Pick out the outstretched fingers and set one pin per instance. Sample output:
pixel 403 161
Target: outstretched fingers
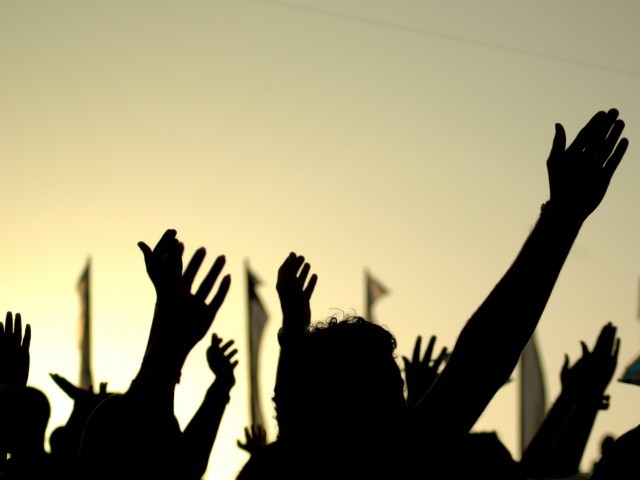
pixel 429 351
pixel 210 279
pixel 220 295
pixel 192 268
pixel 308 291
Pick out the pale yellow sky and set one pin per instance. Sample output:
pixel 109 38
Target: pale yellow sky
pixel 407 137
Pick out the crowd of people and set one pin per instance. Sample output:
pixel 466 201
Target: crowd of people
pixel 345 409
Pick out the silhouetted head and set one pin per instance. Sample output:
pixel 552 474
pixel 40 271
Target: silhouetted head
pixel 24 416
pixel 349 392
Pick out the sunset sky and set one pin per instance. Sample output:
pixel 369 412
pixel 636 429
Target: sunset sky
pixel 404 137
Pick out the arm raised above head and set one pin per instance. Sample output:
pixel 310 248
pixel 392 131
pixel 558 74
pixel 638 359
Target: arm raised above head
pixel 490 343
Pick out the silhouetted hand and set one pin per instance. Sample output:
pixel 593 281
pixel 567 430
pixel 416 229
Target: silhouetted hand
pixel 221 361
pixel 78 394
pixel 256 438
pixel 294 296
pixel 580 174
pixel 14 352
pixel 182 317
pixel 592 373
pixel 419 374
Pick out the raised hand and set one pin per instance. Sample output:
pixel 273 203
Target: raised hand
pixel 420 373
pixel 221 361
pixel 256 438
pixel 593 372
pixel 579 175
pixel 14 352
pixel 182 317
pixel 294 296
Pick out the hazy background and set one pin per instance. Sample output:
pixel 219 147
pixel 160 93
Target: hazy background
pixel 408 137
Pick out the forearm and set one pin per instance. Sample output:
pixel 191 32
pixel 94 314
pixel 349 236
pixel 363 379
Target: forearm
pixel 568 448
pixel 200 434
pixel 498 331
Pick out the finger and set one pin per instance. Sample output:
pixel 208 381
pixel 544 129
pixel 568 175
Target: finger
pixel 226 346
pixel 616 349
pixel 601 135
pixel 438 361
pixel 585 349
pixel 311 286
pixel 26 341
pixel 286 265
pixel 612 138
pixel 565 365
pixel 586 134
pixel 65 385
pixel 103 387
pixel 296 263
pixel 231 354
pixel 559 144
pixel 407 364
pixel 192 268
pixel 215 304
pixel 615 158
pixel 429 351
pixel 416 350
pixel 304 273
pixel 146 251
pixel 8 328
pixel 17 329
pixel 167 239
pixel 211 277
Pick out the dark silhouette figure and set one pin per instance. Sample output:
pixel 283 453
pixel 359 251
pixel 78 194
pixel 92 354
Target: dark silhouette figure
pixel 499 329
pixel 557 448
pixel 484 454
pixel 65 440
pixel 24 410
pixel 339 390
pixel 136 434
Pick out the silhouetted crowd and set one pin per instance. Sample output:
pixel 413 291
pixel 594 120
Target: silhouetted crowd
pixel 344 407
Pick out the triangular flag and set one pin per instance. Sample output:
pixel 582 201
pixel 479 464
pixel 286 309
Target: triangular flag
pixel 632 372
pixel 533 403
pixel 84 326
pixel 257 318
pixel 374 290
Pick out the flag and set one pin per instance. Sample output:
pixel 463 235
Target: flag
pixel 84 326
pixel 533 403
pixel 374 290
pixel 257 317
pixel 632 372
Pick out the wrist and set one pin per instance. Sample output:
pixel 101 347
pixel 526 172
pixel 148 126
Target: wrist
pixel 552 213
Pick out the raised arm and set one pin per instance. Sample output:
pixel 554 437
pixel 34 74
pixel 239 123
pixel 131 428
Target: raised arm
pixel 202 430
pixel 499 329
pixel 557 448
pixel 138 432
pixel 294 292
